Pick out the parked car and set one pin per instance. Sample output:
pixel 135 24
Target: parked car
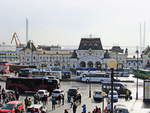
pixel 42 93
pixel 11 106
pixel 120 109
pixel 98 95
pixel 35 108
pixel 72 92
pixel 115 96
pixel 10 91
pixel 57 92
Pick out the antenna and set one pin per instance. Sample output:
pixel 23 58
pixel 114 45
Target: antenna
pixel 26 30
pixel 144 35
pixel 141 47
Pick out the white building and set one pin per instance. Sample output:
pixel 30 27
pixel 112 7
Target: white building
pixel 8 53
pixel 89 54
pixel 31 55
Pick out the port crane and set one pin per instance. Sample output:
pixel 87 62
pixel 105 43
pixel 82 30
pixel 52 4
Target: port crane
pixel 16 39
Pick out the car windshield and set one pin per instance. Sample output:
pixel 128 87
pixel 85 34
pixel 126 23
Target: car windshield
pixel 8 106
pixel 121 111
pixel 114 93
pixel 56 91
pixel 40 92
pixel 72 91
pixel 97 93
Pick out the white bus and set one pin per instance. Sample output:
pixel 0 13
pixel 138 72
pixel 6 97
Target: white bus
pixel 53 74
pixel 95 76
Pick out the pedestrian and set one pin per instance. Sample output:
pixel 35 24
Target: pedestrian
pixel 65 111
pixel 84 108
pixel 59 99
pixel 62 97
pixel 53 103
pixel 45 99
pixel 99 110
pixel 109 107
pixel 79 97
pixel 127 95
pixel 74 108
pixel 17 95
pixel 17 110
pixel 4 97
pixel 43 110
pixel 71 101
pixel 26 102
pixel 29 102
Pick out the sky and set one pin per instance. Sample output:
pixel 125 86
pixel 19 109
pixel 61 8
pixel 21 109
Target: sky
pixel 65 22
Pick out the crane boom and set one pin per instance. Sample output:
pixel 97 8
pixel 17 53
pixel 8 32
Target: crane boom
pixel 16 39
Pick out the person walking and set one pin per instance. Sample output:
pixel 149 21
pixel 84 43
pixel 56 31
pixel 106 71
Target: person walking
pixel 79 97
pixel 74 108
pixel 62 97
pixel 17 95
pixel 26 102
pixel 59 99
pixel 53 103
pixel 65 111
pixel 84 108
pixel 71 100
pixel 127 95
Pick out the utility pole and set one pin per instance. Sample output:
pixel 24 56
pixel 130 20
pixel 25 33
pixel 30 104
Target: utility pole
pixel 26 30
pixel 137 52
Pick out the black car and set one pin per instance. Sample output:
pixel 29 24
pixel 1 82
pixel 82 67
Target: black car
pixel 72 93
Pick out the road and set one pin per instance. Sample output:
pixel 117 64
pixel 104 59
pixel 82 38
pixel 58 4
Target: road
pixel 134 106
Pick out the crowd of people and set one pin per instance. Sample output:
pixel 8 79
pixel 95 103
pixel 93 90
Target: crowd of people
pixel 8 96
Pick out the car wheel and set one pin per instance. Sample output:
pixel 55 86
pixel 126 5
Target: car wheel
pixel 87 81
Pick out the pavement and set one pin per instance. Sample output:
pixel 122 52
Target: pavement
pixel 134 106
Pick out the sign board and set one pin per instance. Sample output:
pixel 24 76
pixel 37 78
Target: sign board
pixel 146 91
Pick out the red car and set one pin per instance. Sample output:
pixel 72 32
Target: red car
pixel 11 106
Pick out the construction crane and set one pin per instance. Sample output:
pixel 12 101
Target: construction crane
pixel 16 39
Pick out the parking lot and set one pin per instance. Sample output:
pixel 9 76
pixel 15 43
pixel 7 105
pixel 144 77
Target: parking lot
pixel 134 106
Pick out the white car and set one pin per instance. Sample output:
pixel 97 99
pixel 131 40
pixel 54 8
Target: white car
pixel 115 96
pixel 57 92
pixel 42 93
pixel 98 95
pixel 120 109
pixel 36 108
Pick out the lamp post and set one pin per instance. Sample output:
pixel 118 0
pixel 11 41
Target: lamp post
pixel 89 89
pixel 112 64
pixel 137 52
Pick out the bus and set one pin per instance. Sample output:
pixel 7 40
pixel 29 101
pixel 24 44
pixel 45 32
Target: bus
pixel 25 72
pixel 94 76
pixel 55 74
pixel 117 86
pixel 28 72
pixel 24 84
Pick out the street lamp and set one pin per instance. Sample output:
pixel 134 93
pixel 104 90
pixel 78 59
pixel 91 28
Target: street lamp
pixel 137 52
pixel 112 64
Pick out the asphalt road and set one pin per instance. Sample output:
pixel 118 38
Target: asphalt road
pixel 134 106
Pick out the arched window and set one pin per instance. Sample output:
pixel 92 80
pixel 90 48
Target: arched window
pixel 56 63
pixel 98 65
pixel 90 64
pixel 82 64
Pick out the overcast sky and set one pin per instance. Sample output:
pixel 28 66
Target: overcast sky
pixel 65 22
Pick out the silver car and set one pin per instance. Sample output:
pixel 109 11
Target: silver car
pixel 120 109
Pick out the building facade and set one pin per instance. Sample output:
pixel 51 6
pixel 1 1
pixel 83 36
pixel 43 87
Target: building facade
pixel 8 53
pixel 30 55
pixel 89 54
